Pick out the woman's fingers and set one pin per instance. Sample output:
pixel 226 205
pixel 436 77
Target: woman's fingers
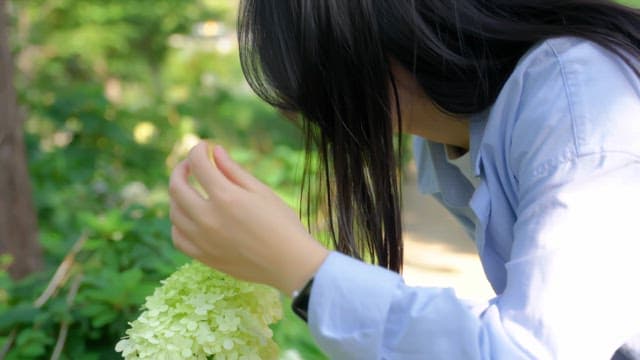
pixel 205 171
pixel 185 196
pixel 181 242
pixel 233 171
pixel 180 219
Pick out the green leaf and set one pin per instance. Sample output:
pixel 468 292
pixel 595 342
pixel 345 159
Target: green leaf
pixel 104 318
pixel 32 342
pixel 21 314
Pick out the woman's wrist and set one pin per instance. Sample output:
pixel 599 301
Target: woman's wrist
pixel 302 266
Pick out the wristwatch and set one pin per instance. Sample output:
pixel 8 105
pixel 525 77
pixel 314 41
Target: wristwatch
pixel 300 302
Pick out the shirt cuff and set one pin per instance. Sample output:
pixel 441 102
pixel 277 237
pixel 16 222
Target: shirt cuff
pixel 345 310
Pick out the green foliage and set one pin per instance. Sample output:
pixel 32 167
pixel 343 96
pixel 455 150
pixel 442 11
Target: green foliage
pixel 632 3
pixel 115 92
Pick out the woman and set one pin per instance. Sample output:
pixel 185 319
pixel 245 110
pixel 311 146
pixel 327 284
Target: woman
pixel 542 99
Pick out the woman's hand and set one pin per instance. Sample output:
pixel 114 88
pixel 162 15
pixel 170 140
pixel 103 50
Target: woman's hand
pixel 242 227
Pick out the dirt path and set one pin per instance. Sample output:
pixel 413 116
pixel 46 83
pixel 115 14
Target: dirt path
pixel 437 250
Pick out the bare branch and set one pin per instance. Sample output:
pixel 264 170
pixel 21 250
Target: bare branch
pixel 64 327
pixel 62 273
pixel 7 345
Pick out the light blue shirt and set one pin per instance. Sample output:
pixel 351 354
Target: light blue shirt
pixel 555 219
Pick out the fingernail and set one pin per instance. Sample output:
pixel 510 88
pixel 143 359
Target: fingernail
pixel 219 150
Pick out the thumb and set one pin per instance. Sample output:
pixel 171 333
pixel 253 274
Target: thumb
pixel 233 171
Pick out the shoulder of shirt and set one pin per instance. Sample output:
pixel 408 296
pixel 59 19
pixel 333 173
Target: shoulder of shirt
pixel 562 50
pixel 567 97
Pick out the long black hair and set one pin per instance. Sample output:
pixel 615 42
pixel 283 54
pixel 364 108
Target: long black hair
pixel 329 61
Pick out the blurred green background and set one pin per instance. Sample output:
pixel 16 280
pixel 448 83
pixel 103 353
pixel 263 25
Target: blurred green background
pixel 114 93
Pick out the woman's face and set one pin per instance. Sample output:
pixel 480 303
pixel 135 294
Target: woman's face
pixel 420 116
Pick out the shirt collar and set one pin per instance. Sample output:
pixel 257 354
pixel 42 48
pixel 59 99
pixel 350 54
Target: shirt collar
pixel 477 124
pixel 434 170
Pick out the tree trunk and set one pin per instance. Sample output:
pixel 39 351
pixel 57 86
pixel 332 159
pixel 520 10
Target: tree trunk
pixel 18 224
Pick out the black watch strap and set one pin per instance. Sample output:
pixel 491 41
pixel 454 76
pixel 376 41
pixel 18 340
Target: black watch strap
pixel 300 302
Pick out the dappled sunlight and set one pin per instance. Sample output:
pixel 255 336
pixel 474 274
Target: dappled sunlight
pixel 143 132
pixel 181 149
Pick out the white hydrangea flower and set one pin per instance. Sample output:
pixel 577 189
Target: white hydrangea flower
pixel 199 312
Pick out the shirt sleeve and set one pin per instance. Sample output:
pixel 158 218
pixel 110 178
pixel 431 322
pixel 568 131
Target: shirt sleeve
pixel 571 291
